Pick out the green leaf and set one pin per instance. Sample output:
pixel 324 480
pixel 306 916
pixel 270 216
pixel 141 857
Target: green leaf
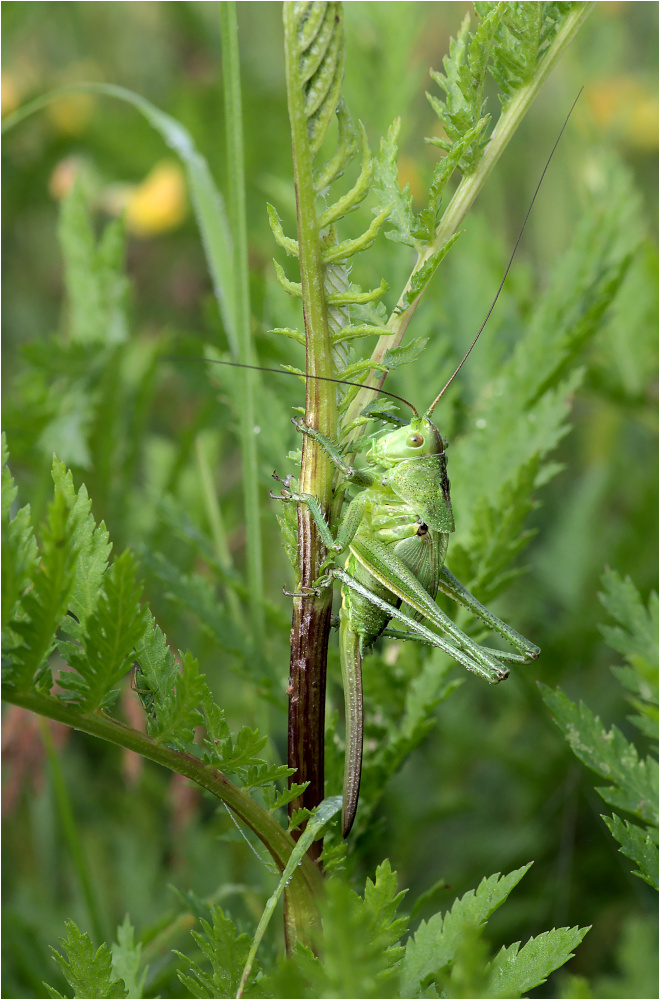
pixel 197 594
pixel 106 647
pixel 436 941
pixel 522 414
pixel 226 950
pixel 397 356
pixel 421 277
pixel 19 546
pixel 634 781
pixel 514 972
pixel 636 636
pixel 463 80
pixel 88 972
pixel 287 795
pixel 387 191
pixel 94 275
pixel 358 950
pixel 381 901
pixel 91 542
pixel 638 845
pixel 177 694
pixel 126 958
pixel 46 602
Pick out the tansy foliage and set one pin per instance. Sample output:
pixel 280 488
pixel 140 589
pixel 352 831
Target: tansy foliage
pixel 79 626
pixel 633 780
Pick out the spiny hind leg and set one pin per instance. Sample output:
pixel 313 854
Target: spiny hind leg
pixel 453 588
pixel 487 666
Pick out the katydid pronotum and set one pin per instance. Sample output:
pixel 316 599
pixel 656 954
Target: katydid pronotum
pixel 395 533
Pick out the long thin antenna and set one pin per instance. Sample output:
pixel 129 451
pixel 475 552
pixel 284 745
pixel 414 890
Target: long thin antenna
pixel 508 267
pixel 282 371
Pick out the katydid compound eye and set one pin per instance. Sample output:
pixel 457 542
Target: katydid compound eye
pixel 415 440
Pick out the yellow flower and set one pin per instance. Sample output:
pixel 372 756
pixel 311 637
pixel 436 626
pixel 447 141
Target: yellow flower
pixel 159 203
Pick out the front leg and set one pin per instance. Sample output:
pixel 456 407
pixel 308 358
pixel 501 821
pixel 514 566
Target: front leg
pixel 359 477
pixel 347 528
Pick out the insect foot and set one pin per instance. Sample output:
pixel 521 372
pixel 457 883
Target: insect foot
pixel 300 425
pixel 313 591
pixel 286 495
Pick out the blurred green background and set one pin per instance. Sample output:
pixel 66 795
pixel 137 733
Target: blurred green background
pixel 494 785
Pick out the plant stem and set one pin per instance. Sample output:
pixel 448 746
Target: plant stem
pixel 306 883
pixel 311 613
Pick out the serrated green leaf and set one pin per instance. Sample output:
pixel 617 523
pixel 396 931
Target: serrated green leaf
pixel 638 845
pixel 92 545
pixel 609 754
pixel 94 275
pixel 196 594
pixel 178 695
pixel 364 929
pixel 126 959
pixel 288 795
pixel 19 546
pixel 257 775
pixel 421 278
pixel 87 971
pixel 514 972
pixel 636 637
pixel 107 639
pixel 397 356
pixel 387 191
pixel 226 950
pixel 522 413
pixel 435 942
pixel 381 901
pixel 46 602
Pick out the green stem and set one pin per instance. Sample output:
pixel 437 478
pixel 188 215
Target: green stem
pixel 306 883
pixel 246 377
pixel 467 192
pixel 311 614
pixel 216 524
pixel 71 834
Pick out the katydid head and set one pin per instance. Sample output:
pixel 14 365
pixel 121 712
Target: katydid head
pixel 415 440
pixel 416 470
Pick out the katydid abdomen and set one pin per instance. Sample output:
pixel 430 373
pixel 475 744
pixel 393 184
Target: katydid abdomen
pixel 361 623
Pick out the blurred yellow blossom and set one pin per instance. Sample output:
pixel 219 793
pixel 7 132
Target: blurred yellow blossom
pixel 156 205
pixel 628 108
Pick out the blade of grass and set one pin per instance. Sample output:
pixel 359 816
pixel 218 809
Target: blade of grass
pixel 247 376
pixel 320 819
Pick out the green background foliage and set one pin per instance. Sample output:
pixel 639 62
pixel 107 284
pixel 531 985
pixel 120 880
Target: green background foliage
pixel 493 783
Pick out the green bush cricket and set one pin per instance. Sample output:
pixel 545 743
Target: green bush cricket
pixel 395 534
